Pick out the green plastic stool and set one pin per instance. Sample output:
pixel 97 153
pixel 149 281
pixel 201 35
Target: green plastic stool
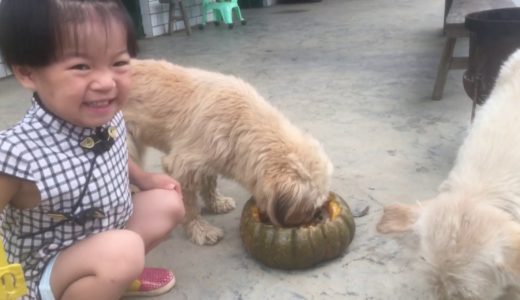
pixel 223 12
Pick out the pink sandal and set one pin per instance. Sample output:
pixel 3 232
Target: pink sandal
pixel 151 282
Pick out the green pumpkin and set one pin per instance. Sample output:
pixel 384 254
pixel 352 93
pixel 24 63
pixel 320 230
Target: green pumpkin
pixel 298 247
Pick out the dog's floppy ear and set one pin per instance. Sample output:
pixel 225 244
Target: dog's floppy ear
pixel 511 252
pixel 398 218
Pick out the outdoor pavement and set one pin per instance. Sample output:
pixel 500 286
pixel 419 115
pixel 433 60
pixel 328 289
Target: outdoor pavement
pixel 358 75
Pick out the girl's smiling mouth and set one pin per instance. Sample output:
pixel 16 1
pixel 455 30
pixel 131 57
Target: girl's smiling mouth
pixel 99 103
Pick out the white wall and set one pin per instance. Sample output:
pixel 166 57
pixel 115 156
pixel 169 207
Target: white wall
pixel 155 16
pixel 4 71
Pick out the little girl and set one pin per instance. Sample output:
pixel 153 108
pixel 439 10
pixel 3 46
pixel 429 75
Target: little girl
pixel 68 215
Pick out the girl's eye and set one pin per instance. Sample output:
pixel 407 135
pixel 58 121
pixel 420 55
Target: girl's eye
pixel 81 67
pixel 121 63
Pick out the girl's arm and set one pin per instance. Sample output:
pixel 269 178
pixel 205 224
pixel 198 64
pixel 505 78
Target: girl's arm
pixel 9 186
pixel 147 181
pixel 135 173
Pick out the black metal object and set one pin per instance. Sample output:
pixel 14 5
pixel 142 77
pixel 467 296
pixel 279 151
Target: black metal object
pixel 134 10
pixel 494 36
pixel 250 4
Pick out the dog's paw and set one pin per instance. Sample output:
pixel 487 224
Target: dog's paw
pixel 201 232
pixel 221 205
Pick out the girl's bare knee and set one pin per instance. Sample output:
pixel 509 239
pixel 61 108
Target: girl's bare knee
pixel 156 213
pixel 174 207
pixel 124 256
pixel 178 210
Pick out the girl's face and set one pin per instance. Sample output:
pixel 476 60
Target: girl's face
pixel 90 80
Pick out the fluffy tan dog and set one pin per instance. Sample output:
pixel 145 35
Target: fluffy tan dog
pixel 469 235
pixel 210 124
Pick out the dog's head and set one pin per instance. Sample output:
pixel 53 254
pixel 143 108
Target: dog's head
pixel 293 202
pixel 468 250
pixel 294 187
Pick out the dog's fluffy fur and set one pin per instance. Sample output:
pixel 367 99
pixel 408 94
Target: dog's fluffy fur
pixel 469 235
pixel 208 124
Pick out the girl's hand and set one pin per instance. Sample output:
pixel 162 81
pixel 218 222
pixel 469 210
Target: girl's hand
pixel 159 181
pixel 149 181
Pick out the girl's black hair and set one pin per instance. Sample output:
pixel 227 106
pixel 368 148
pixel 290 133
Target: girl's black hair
pixel 32 32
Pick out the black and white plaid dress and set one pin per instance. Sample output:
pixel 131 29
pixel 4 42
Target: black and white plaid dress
pixel 45 149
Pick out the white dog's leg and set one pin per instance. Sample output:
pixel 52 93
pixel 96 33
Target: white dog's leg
pixel 198 230
pixel 213 200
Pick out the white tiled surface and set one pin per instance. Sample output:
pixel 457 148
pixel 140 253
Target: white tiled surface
pixel 4 71
pixel 159 15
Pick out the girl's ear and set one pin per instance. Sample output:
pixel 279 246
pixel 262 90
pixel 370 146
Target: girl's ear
pixel 25 75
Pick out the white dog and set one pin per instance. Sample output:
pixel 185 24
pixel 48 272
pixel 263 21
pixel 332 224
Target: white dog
pixel 469 235
pixel 208 124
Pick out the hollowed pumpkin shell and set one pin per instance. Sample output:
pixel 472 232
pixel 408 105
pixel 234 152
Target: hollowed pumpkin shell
pixel 298 247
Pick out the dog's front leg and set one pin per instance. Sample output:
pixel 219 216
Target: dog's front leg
pixel 199 231
pixel 213 200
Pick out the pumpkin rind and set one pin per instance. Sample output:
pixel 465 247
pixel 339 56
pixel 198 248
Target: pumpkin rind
pixel 297 247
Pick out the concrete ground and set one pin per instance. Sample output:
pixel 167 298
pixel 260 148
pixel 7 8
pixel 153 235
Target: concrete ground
pixel 358 75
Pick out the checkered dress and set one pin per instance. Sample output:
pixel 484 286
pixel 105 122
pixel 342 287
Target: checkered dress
pixel 44 149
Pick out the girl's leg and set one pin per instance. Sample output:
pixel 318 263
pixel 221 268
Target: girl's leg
pixel 99 267
pixel 156 213
pixel 104 265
